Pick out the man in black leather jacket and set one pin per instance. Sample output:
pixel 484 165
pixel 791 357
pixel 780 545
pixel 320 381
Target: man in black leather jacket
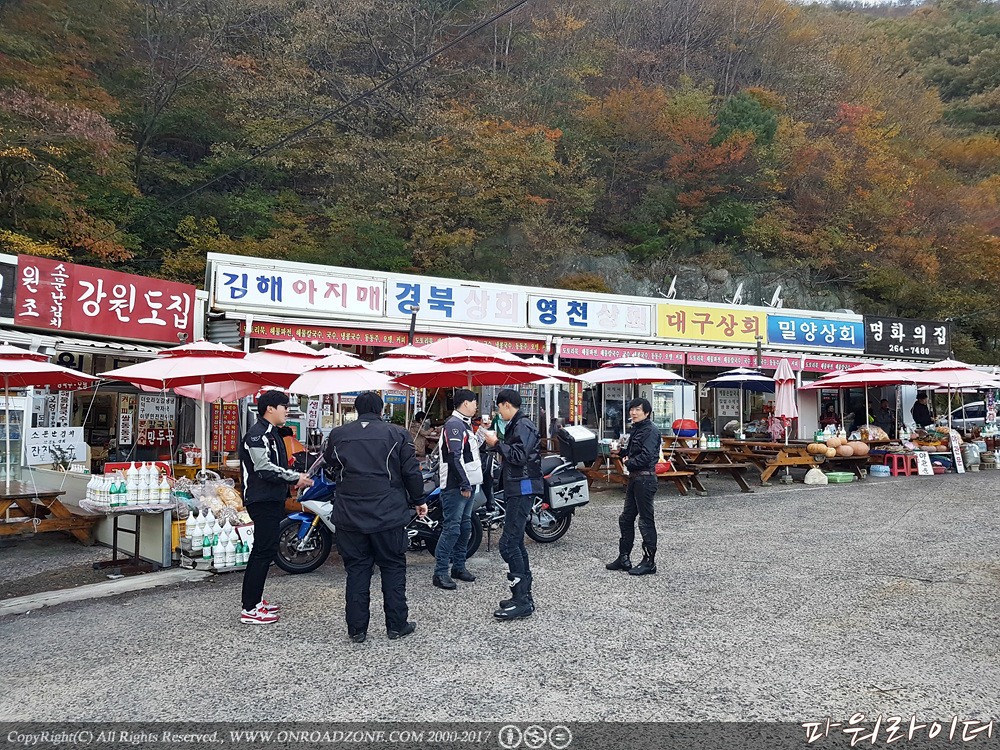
pixel 378 478
pixel 640 459
pixel 521 477
pixel 266 479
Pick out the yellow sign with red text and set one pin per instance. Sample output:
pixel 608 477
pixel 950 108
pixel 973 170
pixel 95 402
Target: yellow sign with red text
pixel 709 324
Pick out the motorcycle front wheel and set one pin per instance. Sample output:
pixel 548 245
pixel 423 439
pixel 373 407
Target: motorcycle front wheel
pixel 554 530
pixel 306 560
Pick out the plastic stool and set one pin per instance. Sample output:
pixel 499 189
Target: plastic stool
pixel 899 463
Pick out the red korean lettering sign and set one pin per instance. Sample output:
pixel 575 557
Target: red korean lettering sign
pixel 68 297
pixel 225 427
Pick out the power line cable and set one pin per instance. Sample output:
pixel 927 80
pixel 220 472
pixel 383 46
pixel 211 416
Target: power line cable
pixel 277 145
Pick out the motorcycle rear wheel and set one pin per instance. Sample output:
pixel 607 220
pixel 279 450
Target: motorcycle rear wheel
pixel 551 533
pixel 307 560
pixel 475 538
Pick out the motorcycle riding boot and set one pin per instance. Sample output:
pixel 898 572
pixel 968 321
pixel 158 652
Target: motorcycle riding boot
pixel 521 606
pixel 623 561
pixel 504 603
pixel 648 564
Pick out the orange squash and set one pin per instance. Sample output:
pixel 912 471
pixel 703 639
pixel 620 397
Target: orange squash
pixel 845 451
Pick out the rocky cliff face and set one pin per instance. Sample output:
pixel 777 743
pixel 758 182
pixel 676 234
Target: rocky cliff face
pixel 704 282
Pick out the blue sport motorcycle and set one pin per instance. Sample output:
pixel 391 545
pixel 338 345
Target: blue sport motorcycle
pixel 306 538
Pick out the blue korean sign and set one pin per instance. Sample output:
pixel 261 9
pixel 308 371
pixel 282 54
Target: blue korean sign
pixel 815 332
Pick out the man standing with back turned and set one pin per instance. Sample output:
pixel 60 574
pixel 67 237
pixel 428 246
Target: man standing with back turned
pixel 521 477
pixel 378 476
pixel 640 459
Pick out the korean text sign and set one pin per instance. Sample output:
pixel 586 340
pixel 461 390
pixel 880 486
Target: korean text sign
pixel 290 291
pixel 912 338
pixel 41 440
pixel 581 315
pixel 815 332
pixel 692 322
pixel 67 297
pixel 457 302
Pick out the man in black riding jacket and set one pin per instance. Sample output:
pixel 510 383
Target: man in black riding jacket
pixel 378 478
pixel 266 478
pixel 521 477
pixel 640 459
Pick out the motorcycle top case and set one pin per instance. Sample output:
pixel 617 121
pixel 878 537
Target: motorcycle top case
pixel 566 489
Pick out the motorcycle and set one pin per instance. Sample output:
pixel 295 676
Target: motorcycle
pixel 306 538
pixel 551 514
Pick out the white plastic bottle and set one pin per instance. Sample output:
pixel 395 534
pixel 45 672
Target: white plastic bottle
pixel 230 554
pixel 163 491
pixel 189 526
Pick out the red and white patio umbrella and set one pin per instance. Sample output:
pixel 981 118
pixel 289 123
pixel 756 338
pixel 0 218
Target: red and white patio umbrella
pixel 333 379
pixel 199 365
pixel 785 407
pixel 864 376
pixel 466 368
pixel 21 368
pixel 454 345
pixel 632 370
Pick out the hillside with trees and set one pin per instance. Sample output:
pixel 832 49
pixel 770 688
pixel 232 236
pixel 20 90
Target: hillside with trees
pixel 851 149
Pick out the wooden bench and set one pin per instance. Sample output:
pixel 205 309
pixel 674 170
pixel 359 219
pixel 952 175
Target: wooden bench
pixel 25 509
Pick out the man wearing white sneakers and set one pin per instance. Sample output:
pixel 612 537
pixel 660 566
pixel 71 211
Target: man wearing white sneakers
pixel 266 477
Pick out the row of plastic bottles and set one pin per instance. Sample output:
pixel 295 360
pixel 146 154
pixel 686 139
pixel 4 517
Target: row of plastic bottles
pixel 137 485
pixel 709 441
pixel 219 543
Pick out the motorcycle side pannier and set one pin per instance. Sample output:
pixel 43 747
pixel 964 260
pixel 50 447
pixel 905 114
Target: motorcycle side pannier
pixel 566 488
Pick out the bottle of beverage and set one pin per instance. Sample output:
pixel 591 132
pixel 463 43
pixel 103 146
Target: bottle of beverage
pixel 703 441
pixel 163 491
pixel 230 553
pixel 189 526
pixel 210 519
pixel 206 547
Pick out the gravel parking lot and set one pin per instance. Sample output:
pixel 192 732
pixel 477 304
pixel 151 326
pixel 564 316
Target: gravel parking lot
pixel 792 603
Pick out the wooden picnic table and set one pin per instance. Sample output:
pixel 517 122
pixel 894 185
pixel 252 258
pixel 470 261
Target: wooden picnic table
pixel 610 468
pixel 769 457
pixel 25 508
pixel 719 460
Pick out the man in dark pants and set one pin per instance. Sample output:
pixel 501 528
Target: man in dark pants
pixel 378 478
pixel 521 477
pixel 266 477
pixel 640 459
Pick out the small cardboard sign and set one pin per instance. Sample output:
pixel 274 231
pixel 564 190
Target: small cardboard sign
pixel 924 467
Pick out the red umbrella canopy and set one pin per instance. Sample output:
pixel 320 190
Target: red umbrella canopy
pixel 950 373
pixel 292 357
pixel 409 351
pixel 631 370
pixel 861 376
pixel 197 363
pixel 454 345
pixel 324 380
pixel 20 368
pixel 466 373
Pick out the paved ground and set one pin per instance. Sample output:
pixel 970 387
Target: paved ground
pixel 792 603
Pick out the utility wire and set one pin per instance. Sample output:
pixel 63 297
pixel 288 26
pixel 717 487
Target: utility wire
pixel 277 145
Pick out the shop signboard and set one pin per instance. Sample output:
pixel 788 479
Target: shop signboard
pixel 605 352
pixel 67 297
pixel 156 420
pixel 225 427
pixel 8 283
pixel 457 302
pixel 126 419
pixel 398 397
pixel 727 402
pixel 378 339
pixel 67 442
pixel 908 338
pixel 956 451
pixel 694 322
pixel 582 315
pixel 924 466
pixel 293 291
pixel 312 414
pixel 790 330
